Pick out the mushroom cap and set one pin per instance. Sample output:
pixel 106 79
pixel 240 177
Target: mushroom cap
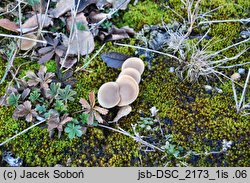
pixel 108 95
pixel 133 73
pixel 135 63
pixel 129 90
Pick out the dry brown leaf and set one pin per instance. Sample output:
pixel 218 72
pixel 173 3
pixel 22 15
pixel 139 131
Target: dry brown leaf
pixel 62 7
pixel 80 18
pixel 27 44
pixel 97 16
pixel 84 40
pixel 32 22
pixel 8 25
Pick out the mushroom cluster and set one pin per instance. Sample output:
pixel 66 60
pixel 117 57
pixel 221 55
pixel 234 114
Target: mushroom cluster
pixel 125 89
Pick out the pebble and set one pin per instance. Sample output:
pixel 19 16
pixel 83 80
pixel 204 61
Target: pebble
pixel 241 71
pixel 245 34
pixel 171 70
pixel 235 76
pixel 208 89
pixel 218 90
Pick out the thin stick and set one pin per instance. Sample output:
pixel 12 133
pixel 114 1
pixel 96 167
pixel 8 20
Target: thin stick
pixel 22 132
pixel 9 65
pixel 25 38
pixel 235 97
pixel 223 21
pixel 147 49
pixel 244 90
pixel 134 137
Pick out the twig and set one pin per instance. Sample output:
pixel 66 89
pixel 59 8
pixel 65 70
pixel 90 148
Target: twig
pixel 244 91
pixel 9 65
pixel 25 38
pixel 223 21
pixel 147 49
pixel 136 138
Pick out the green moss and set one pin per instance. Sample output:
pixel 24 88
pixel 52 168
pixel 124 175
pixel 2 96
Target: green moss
pixel 145 12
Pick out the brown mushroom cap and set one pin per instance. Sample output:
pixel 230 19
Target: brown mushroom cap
pixel 133 73
pixel 129 90
pixel 135 63
pixel 108 95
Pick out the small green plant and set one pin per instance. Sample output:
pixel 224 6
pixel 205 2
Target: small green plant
pixel 66 94
pixel 106 25
pixel 39 98
pixel 146 123
pixel 13 99
pixel 170 148
pixel 73 129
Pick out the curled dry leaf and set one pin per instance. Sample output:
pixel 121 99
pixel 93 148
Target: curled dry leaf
pixel 24 44
pixel 124 111
pixel 8 25
pixel 95 16
pixel 116 33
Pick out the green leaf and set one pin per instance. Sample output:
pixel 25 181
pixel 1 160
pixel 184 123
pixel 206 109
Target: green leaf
pixel 53 91
pixel 13 99
pixel 60 106
pixel 66 94
pixel 73 130
pixel 40 108
pixel 34 96
pixel 84 118
pixel 71 135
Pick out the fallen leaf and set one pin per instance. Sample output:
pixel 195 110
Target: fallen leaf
pixel 62 7
pixel 69 62
pixel 114 59
pixel 8 25
pixel 24 44
pixel 80 18
pixel 97 16
pixel 84 40
pixel 36 20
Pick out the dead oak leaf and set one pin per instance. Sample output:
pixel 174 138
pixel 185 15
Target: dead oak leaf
pixel 92 110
